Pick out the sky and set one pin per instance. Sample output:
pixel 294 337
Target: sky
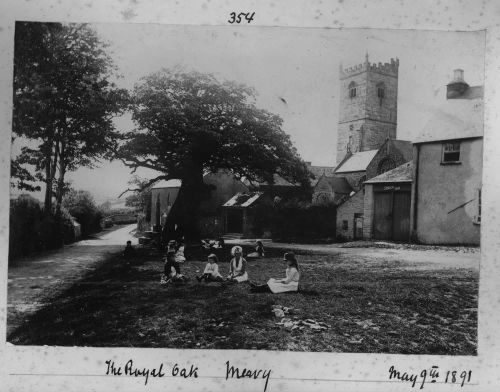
pixel 297 65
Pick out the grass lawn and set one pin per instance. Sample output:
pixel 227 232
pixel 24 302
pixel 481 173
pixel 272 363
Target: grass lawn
pixel 369 305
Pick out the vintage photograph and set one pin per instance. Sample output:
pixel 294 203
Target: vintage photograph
pixel 209 187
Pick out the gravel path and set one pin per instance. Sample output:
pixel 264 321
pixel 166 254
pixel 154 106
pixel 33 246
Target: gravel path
pixel 33 281
pixel 426 257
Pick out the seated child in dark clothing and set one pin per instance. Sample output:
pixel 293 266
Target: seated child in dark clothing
pixel 211 272
pixel 259 251
pixel 172 269
pixel 129 250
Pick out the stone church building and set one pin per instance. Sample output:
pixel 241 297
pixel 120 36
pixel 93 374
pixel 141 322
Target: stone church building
pixel 428 191
pixel 367 144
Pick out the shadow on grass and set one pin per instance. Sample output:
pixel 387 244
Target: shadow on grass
pixel 367 307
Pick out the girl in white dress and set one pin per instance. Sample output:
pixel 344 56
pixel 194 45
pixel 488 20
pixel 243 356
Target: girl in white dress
pixel 211 272
pixel 290 283
pixel 237 266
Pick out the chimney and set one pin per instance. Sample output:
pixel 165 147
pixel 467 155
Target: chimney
pixel 457 87
pixel 458 75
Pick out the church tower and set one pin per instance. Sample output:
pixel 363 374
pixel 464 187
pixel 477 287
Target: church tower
pixel 368 106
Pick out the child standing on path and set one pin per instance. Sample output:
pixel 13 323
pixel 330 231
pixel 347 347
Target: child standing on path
pixel 211 272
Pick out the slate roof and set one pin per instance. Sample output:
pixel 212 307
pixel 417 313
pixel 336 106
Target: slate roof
pixel 405 147
pixel 455 119
pixel 359 161
pixel 174 183
pixel 319 171
pixel 243 199
pixel 403 173
pixel 338 184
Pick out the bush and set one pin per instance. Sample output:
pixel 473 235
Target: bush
pixel 297 221
pixel 32 231
pixel 25 226
pixel 80 205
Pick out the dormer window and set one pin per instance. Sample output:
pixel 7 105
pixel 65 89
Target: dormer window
pixel 352 90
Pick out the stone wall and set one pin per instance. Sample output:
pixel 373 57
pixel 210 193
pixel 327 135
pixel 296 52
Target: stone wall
pixel 353 178
pixel 382 109
pixel 368 212
pixel 167 198
pixel 346 211
pixel 388 151
pixel 225 186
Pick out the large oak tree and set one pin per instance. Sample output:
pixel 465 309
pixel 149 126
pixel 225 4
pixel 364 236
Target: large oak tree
pixel 189 123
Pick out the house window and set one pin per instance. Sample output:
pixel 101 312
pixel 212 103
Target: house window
pixel 451 152
pixel 345 225
pixel 352 90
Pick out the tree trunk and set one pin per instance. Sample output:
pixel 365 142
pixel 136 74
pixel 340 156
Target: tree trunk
pixel 50 165
pixel 47 205
pixel 60 189
pixel 183 219
pixel 59 196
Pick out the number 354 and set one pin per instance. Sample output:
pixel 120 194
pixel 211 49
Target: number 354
pixel 238 18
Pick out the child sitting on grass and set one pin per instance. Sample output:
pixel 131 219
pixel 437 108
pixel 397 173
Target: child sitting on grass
pixel 237 266
pixel 172 270
pixel 259 251
pixel 211 272
pixel 129 251
pixel 290 283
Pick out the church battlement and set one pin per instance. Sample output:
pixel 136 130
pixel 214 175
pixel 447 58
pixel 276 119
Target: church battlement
pixel 368 106
pixel 390 69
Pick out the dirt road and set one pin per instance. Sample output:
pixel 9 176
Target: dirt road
pixel 33 281
pixel 409 258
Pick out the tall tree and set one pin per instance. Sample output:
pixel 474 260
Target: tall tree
pixel 190 123
pixel 140 199
pixel 64 102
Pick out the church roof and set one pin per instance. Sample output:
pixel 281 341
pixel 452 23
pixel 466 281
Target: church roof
pixel 318 171
pixel 403 173
pixel 337 184
pixel 359 161
pixel 174 183
pixel 455 119
pixel 405 147
pixel 277 181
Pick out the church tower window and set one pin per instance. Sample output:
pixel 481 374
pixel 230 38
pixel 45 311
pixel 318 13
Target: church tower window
pixel 352 90
pixel 381 91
